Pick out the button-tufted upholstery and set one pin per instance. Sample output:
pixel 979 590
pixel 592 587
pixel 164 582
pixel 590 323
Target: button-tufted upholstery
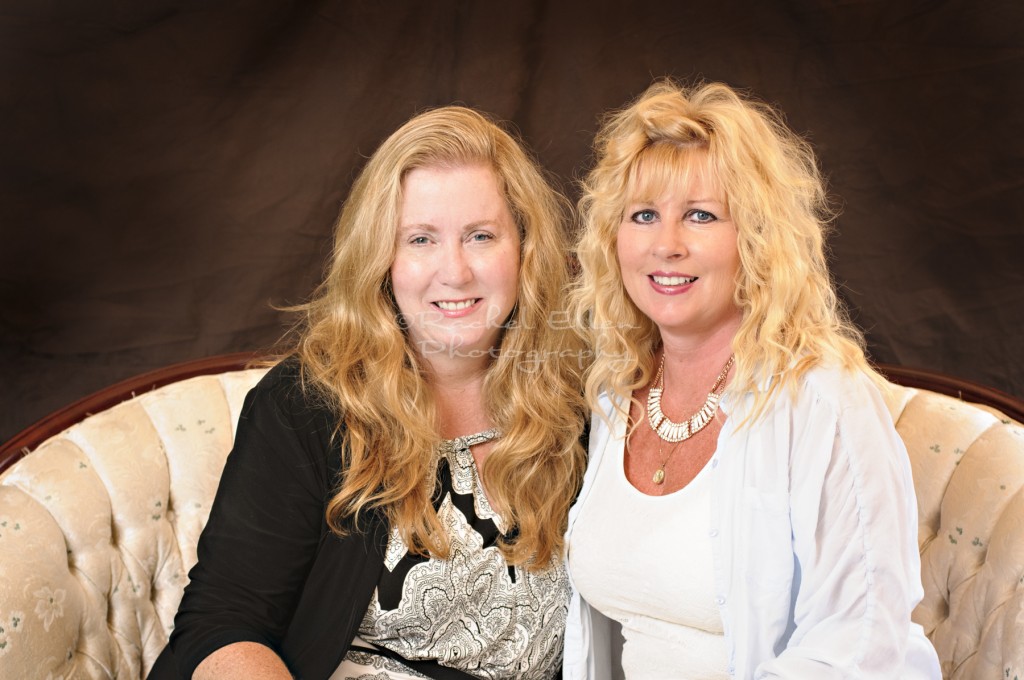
pixel 968 466
pixel 99 524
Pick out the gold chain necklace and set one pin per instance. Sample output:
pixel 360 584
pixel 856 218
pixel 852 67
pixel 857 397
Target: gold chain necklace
pixel 672 432
pixel 676 432
pixel 659 474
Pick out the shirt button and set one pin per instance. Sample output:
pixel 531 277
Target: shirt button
pixel 714 463
pixel 720 600
pixel 713 533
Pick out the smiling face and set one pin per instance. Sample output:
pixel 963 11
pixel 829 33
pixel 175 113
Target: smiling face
pixel 679 258
pixel 455 275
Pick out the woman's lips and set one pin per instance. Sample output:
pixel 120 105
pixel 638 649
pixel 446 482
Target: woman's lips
pixel 672 280
pixel 457 308
pixel 671 284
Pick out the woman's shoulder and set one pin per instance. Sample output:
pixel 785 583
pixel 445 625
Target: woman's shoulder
pixel 839 386
pixel 283 376
pixel 830 392
pixel 289 393
pixel 824 386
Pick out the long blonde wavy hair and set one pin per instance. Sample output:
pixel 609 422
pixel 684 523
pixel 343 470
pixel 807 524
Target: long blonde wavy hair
pixel 355 355
pixel 792 319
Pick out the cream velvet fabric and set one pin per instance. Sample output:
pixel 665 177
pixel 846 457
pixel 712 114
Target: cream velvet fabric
pixel 99 525
pixel 968 467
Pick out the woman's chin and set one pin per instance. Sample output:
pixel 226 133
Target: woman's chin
pixel 455 347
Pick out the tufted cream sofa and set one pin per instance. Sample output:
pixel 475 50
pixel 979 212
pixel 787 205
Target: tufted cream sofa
pixel 968 467
pixel 99 523
pixel 99 526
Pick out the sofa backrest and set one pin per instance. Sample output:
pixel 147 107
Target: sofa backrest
pixel 99 526
pixel 968 467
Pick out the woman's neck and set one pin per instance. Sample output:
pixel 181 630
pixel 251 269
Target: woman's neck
pixel 692 364
pixel 458 389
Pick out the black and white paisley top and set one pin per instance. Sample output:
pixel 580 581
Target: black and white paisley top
pixel 473 611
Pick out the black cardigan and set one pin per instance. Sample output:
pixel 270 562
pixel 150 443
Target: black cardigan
pixel 269 570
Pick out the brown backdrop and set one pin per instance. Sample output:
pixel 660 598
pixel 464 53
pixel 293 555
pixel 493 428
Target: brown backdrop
pixel 171 170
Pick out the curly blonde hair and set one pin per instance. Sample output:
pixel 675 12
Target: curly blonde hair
pixel 791 316
pixel 355 354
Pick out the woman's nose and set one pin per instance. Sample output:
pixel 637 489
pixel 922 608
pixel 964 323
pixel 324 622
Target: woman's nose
pixel 454 267
pixel 669 243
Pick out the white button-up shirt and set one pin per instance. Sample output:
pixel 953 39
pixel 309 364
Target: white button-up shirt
pixel 814 535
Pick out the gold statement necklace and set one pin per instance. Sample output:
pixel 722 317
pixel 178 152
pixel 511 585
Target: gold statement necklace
pixel 669 431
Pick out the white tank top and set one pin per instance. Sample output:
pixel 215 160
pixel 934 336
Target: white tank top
pixel 645 561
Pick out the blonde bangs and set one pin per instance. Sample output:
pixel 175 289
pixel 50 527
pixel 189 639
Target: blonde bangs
pixel 664 166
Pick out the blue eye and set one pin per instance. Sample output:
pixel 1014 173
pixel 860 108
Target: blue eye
pixel 419 240
pixel 481 236
pixel 701 216
pixel 644 216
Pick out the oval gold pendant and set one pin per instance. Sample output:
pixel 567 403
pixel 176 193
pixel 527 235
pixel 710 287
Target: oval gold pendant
pixel 659 476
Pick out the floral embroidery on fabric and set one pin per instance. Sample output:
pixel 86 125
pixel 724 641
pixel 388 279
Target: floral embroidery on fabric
pixel 49 605
pixel 9 527
pixel 11 624
pixel 157 511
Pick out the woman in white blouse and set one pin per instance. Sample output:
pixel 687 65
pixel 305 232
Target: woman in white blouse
pixel 748 509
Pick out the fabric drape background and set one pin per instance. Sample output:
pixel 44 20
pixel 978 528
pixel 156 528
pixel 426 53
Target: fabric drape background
pixel 171 171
